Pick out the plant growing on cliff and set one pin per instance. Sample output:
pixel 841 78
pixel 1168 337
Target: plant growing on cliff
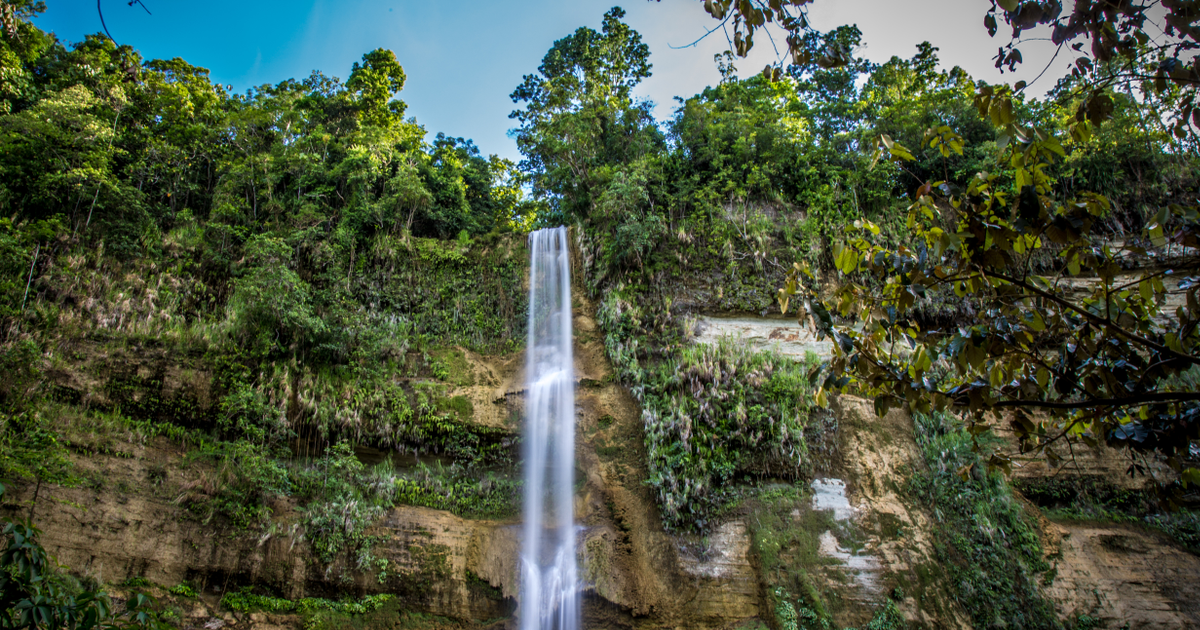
pixel 344 499
pixel 987 544
pixel 463 491
pixel 31 451
pixel 714 416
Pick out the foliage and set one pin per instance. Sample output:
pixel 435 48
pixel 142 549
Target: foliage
pixel 1119 39
pixel 713 415
pixel 792 17
pixel 463 491
pixel 244 481
pixel 389 615
pixel 30 450
pixel 1101 365
pixel 35 593
pixel 270 307
pixel 183 590
pixel 580 118
pixel 1097 499
pixel 1124 52
pixel 991 552
pixel 345 498
pixel 245 600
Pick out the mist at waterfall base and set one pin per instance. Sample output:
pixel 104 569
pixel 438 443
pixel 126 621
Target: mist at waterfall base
pixel 549 575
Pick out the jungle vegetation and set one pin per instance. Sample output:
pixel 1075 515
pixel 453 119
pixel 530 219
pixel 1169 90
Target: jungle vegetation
pixel 325 268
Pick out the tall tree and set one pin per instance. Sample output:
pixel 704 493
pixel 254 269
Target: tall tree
pixel 580 114
pixel 375 82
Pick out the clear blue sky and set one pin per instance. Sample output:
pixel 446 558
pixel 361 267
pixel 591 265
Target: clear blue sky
pixel 463 59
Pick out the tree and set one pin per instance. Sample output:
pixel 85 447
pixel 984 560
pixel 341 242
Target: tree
pixel 20 42
pixel 1115 364
pixel 375 82
pixel 1058 336
pixel 580 115
pixel 1154 61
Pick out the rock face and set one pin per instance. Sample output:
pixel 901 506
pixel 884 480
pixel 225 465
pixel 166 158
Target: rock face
pixel 1118 575
pixel 636 575
pixel 896 544
pixel 126 522
pixel 777 334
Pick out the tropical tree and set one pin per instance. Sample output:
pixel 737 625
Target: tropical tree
pixel 375 82
pixel 1159 61
pixel 1112 359
pixel 580 116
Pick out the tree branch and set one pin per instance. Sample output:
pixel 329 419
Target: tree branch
pixel 1093 318
pixel 1154 397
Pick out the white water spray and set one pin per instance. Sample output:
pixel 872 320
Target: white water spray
pixel 549 578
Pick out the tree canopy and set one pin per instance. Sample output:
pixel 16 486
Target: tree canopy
pixel 580 118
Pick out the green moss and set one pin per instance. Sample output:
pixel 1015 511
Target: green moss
pixel 483 587
pixel 785 541
pixel 457 368
pixel 460 406
pixel 890 526
pixel 609 451
pixel 990 551
pixel 428 563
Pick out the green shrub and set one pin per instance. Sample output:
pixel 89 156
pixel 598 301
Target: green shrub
pixel 465 492
pixel 183 590
pixel 344 498
pixel 245 600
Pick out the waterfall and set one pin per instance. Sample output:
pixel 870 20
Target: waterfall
pixel 549 576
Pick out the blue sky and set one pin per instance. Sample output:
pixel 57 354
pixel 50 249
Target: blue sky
pixel 464 58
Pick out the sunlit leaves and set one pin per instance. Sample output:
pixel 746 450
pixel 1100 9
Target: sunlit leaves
pixel 894 151
pixel 376 80
pixel 1083 339
pixel 579 114
pixel 945 140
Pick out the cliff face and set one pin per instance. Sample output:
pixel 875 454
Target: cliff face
pixel 864 540
pixel 129 523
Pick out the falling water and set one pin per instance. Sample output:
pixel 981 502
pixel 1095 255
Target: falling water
pixel 549 580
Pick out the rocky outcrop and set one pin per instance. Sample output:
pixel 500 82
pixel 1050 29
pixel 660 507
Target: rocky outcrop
pixel 1122 576
pixel 125 522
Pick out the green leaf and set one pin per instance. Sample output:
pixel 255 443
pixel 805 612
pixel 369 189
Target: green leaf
pixel 1190 476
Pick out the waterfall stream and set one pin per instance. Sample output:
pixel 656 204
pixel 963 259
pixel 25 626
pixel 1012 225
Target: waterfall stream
pixel 549 579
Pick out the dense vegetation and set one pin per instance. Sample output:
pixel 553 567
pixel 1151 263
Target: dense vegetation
pixel 315 272
pixel 710 212
pixel 272 279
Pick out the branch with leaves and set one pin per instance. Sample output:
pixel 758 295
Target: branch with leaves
pixel 1115 364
